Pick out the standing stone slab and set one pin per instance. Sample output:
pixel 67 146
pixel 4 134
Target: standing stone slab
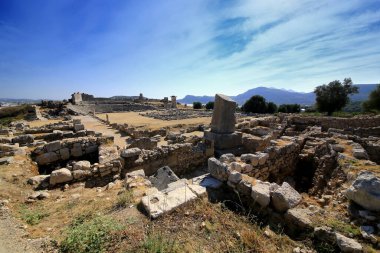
pixel 223 117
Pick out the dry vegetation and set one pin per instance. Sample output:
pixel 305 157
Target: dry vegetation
pixel 135 119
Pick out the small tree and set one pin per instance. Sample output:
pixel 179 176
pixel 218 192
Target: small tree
pixel 271 107
pixel 255 104
pixel 373 103
pixel 197 105
pixel 334 96
pixel 210 105
pixel 289 108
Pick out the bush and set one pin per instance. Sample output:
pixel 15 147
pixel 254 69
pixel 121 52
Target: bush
pixel 256 104
pixel 197 105
pixel 210 105
pixel 373 103
pixel 271 107
pixel 89 236
pixel 289 108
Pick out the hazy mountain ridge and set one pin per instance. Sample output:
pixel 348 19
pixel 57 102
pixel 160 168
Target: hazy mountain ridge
pixel 280 96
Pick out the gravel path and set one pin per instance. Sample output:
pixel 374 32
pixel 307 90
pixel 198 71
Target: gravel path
pixel 13 238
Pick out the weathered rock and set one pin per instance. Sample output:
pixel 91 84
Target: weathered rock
pixel 298 218
pixel 64 153
pixel 23 139
pixel 80 174
pixel 261 193
pixel 78 127
pixel 76 151
pixel 82 165
pixel 218 169
pixel 347 244
pixel 131 152
pixel 60 176
pixel 47 158
pixel 360 153
pixel 53 146
pixel 223 117
pixel 250 158
pixel 163 202
pixel 285 197
pixel 365 191
pixel 234 177
pixel 6 160
pixel 227 158
pixel 36 180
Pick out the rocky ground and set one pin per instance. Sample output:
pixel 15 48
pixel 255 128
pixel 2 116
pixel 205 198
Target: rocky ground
pixel 297 184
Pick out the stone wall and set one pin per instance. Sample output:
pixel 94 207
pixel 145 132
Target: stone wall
pixel 181 158
pixel 58 151
pixel 334 122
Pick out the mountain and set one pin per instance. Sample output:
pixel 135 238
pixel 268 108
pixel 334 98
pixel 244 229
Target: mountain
pixel 280 96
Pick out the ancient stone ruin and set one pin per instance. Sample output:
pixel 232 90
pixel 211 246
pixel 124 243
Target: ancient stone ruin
pixel 316 179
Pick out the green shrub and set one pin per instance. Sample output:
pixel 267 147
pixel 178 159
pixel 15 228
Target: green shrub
pixel 89 236
pixel 32 217
pixel 124 199
pixel 210 105
pixel 197 105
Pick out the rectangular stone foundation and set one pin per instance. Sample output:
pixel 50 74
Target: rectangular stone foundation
pixel 224 141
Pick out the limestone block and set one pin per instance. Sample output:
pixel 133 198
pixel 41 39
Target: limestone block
pixel 360 153
pixel 131 152
pixel 47 158
pixel 234 177
pixel 227 158
pixel 76 151
pixel 218 169
pixel 64 153
pixel 347 244
pixel 285 197
pixel 250 158
pixel 78 127
pixel 80 174
pixel 260 193
pixel 53 146
pixel 223 117
pixel 60 176
pixel 36 180
pixel 298 218
pixel 163 202
pixel 224 141
pixel 82 165
pixel 365 191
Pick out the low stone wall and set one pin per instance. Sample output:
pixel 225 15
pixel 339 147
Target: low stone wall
pixel 122 107
pixel 360 131
pixel 138 133
pixel 70 148
pixel 334 122
pixel 181 158
pixel 61 126
pixel 274 164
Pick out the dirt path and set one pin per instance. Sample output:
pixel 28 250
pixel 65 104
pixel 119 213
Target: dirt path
pixel 13 238
pixel 91 123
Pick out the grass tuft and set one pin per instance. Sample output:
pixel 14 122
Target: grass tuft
pixel 32 217
pixel 89 236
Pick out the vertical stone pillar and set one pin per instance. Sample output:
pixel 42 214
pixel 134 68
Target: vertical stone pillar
pixel 174 101
pixel 223 117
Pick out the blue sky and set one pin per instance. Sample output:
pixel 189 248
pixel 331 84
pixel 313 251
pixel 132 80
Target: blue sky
pixel 50 49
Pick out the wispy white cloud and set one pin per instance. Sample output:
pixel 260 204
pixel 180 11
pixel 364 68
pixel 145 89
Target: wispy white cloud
pixel 190 47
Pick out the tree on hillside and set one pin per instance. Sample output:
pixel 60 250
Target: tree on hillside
pixel 255 104
pixel 197 105
pixel 334 96
pixel 210 105
pixel 373 103
pixel 271 107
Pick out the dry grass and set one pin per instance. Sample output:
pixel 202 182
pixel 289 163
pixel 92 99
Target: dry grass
pixel 134 119
pixel 204 227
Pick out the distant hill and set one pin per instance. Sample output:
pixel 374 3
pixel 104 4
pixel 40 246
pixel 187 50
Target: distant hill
pixel 280 96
